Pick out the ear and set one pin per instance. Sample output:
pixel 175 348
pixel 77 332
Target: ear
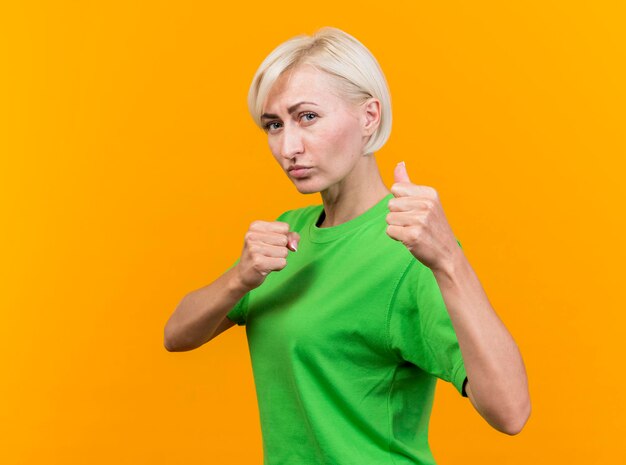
pixel 370 116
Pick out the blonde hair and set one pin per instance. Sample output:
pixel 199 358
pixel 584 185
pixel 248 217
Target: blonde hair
pixel 352 66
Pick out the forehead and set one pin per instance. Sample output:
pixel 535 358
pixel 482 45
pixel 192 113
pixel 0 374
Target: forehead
pixel 302 83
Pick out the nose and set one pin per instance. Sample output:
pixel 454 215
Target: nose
pixel 291 142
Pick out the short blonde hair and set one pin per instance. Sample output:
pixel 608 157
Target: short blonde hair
pixel 351 65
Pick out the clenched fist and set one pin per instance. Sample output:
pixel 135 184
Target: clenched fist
pixel 265 249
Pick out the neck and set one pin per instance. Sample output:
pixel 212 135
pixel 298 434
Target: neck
pixel 355 194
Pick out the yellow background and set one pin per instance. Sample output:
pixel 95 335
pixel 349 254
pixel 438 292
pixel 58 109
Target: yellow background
pixel 130 171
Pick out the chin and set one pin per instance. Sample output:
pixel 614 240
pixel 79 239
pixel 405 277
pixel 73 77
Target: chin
pixel 304 190
pixel 305 187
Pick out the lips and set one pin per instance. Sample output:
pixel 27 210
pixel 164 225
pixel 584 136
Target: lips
pixel 297 172
pixel 297 167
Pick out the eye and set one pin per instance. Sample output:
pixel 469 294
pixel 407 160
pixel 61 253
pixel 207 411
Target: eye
pixel 268 126
pixel 309 114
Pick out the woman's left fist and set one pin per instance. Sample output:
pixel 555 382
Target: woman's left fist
pixel 416 219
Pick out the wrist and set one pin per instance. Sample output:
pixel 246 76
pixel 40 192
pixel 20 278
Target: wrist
pixel 235 282
pixel 451 265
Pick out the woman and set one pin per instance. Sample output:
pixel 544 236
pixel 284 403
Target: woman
pixel 353 308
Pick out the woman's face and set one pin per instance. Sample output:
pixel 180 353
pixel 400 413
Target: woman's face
pixel 325 134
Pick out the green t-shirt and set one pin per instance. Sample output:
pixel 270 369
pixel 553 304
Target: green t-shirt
pixel 346 344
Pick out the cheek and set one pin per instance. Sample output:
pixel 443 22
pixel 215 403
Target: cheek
pixel 341 140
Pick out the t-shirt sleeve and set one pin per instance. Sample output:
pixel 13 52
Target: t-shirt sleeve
pixel 421 330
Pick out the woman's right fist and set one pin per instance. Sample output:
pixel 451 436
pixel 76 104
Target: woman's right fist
pixel 265 249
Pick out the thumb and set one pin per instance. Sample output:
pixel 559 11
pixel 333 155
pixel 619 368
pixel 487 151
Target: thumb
pixel 292 240
pixel 400 174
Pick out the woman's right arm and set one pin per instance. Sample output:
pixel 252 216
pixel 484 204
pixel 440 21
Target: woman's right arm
pixel 201 315
pixel 202 312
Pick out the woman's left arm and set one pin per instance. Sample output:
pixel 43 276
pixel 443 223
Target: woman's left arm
pixel 493 363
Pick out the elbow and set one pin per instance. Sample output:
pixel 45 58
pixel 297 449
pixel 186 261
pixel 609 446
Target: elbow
pixel 169 346
pixel 170 341
pixel 175 342
pixel 517 421
pixel 508 417
pixel 172 346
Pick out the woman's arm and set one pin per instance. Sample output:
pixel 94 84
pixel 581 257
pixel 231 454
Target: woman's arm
pixel 201 314
pixel 493 363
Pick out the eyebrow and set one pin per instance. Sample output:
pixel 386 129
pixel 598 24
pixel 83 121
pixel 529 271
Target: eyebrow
pixel 290 110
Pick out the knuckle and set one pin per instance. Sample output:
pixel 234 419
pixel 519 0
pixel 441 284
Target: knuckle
pixel 283 226
pixel 414 234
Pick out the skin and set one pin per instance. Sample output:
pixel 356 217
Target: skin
pixel 329 136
